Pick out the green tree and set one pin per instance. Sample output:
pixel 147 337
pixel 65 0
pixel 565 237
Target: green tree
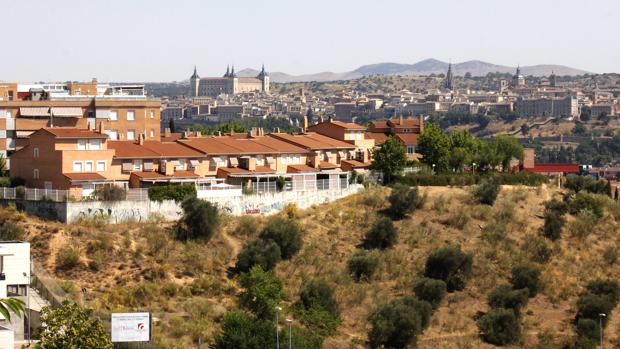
pixel 430 290
pixel 70 326
pixel 317 308
pixel 507 148
pixel 286 233
pixel 506 297
pixel 200 220
pixel 362 265
pixel 390 158
pixel 239 331
pixel 524 276
pixel 449 264
pixel 398 323
pixel 265 253
pixel 435 145
pixel 171 126
pixel 262 292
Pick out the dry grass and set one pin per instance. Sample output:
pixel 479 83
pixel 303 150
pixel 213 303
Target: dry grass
pixel 137 266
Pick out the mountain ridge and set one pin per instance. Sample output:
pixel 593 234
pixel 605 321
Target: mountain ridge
pixel 424 67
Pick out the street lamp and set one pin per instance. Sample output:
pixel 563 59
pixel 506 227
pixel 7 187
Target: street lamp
pixel 278 309
pixel 433 168
pixel 289 322
pixel 600 322
pixel 473 167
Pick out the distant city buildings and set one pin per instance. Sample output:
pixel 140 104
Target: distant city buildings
pixel 229 84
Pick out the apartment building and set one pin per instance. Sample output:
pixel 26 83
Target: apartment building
pixel 350 133
pixel 14 283
pixel 124 112
pixel 406 130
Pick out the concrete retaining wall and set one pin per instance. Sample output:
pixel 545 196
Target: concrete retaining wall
pixel 141 211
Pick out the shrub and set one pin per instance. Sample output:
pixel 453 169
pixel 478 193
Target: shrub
pixel 20 192
pixel 554 222
pixel 584 222
pixel 258 252
pixel 200 220
pixel 430 290
pixel 458 220
pixel 610 255
pixel 280 182
pixel 609 288
pixel 67 257
pixel 404 200
pixel 362 265
pixel 286 233
pixel 465 179
pixel 486 192
pixel 586 202
pixel 524 276
pixel 17 182
pixel 262 292
pixel 382 234
pixel 537 249
pixel 586 183
pixel 589 306
pixel 397 324
pixel 588 328
pixel 111 193
pixel 556 206
pixel 241 331
pixel 317 308
pixel 247 226
pixel 10 231
pixel 504 296
pixel 449 264
pixel 318 293
pixel 499 327
pixel 177 193
pixel 5 182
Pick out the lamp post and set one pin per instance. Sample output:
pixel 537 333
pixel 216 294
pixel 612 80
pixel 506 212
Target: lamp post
pixel 433 168
pixel 600 324
pixel 278 309
pixel 289 322
pixel 473 167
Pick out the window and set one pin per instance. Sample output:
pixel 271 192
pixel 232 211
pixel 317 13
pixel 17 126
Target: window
pixel 137 165
pixel 77 166
pixel 100 166
pixel 94 144
pixel 410 149
pixel 8 114
pixel 35 173
pixel 91 114
pixel 113 135
pixel 152 133
pixel 16 290
pixel 131 115
pixel 131 135
pixel 88 166
pixel 151 114
pixel 113 115
pixel 81 144
pixel 36 152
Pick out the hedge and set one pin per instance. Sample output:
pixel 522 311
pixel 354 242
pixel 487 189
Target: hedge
pixel 177 193
pixel 467 179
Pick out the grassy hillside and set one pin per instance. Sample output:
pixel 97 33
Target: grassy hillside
pixel 139 266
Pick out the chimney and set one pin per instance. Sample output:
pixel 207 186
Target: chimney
pixel 321 118
pixel 185 135
pixel 400 120
pixel 277 130
pixel 219 133
pixel 100 128
pixel 141 139
pixel 329 119
pixel 167 132
pixel 198 134
pixel 305 124
pixel 421 124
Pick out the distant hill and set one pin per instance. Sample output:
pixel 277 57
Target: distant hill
pixel 425 67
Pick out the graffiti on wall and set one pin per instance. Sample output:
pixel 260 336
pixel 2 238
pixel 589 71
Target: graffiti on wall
pixel 114 215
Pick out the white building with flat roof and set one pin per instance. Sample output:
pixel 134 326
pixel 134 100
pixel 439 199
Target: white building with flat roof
pixel 14 283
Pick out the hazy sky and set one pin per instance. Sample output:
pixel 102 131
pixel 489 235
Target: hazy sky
pixel 161 40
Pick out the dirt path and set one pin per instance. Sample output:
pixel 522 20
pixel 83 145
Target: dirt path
pixel 234 244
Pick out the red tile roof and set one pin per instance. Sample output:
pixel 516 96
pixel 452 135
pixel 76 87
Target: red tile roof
pixel 379 137
pixel 241 171
pixel 84 176
pixel 355 163
pixel 408 138
pixel 130 150
pixel 327 165
pixel 71 132
pixel 235 145
pixel 157 175
pixel 300 169
pixel 313 141
pixel 345 125
pixel 173 149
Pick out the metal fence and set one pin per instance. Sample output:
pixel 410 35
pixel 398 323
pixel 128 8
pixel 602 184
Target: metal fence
pixel 34 194
pixel 138 194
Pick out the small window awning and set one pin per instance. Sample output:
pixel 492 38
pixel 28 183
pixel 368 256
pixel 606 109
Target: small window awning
pixel 67 112
pixel 194 162
pixel 176 163
pixel 234 162
pixel 34 111
pixel 102 114
pixel 148 166
pixel 127 166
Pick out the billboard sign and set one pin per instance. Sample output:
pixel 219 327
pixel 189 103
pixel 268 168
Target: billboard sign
pixel 131 327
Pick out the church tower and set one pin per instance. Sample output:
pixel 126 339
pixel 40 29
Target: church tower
pixel 264 78
pixel 447 84
pixel 194 81
pixel 552 80
pixel 518 80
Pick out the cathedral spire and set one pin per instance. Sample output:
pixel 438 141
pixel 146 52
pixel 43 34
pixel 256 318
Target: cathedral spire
pixel 232 72
pixel 195 75
pixel 448 81
pixel 227 71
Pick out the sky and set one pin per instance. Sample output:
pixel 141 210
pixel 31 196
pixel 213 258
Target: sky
pixel 161 40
